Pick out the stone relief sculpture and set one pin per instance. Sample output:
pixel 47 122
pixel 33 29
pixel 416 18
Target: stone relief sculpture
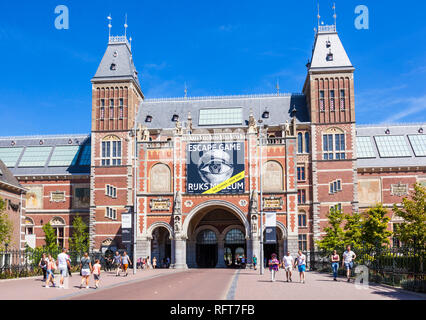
pixel 254 202
pixel 252 124
pixel 254 223
pixel 287 128
pixel 178 204
pixel 178 224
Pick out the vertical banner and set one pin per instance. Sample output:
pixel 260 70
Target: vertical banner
pixel 215 168
pixel 126 228
pixel 270 228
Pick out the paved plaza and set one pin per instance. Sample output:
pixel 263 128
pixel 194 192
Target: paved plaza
pixel 203 284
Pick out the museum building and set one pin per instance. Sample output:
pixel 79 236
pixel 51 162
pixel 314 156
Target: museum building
pixel 198 170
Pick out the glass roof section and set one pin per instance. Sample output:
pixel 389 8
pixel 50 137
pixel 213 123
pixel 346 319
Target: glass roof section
pixel 365 148
pixel 85 156
pixel 64 156
pixel 223 116
pixel 35 157
pixel 10 156
pixel 418 142
pixel 392 146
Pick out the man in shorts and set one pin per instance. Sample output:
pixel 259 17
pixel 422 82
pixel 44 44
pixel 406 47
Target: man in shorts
pixel 63 263
pixel 288 262
pixel 125 260
pixel 301 265
pixel 116 261
pixel 348 257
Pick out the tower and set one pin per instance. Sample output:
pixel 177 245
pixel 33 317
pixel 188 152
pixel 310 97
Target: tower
pixel 329 89
pixel 116 96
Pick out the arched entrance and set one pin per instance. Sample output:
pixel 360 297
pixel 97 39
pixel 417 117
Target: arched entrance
pixel 279 247
pixel 161 247
pixel 206 249
pixel 206 228
pixel 235 248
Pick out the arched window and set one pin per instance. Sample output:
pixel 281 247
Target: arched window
pixel 300 143
pixel 58 225
pixel 160 178
pixel 111 151
pixel 272 176
pixel 307 142
pixel 235 236
pixel 29 226
pixel 206 237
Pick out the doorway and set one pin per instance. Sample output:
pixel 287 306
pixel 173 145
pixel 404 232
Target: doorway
pixel 206 249
pixel 235 249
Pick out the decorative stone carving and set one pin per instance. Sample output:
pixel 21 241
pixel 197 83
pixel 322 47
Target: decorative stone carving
pixel 57 221
pixel 178 129
pixel 178 204
pixel 287 128
pixel 252 124
pixel 178 224
pixel 254 223
pixel 243 203
pixel 160 204
pixel 399 189
pixel 254 202
pixel 189 203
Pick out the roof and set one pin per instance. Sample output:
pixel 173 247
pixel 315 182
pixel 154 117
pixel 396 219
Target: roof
pixel 278 106
pixel 7 177
pixel 117 62
pixel 327 41
pixel 46 155
pixel 390 146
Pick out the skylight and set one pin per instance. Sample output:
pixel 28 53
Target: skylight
pixel 418 142
pixel 64 156
pixel 10 156
pixel 85 155
pixel 223 116
pixel 35 157
pixel 365 148
pixel 392 146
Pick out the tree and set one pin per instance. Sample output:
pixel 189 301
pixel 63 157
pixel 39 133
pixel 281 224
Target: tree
pixel 6 226
pixel 353 229
pixel 374 227
pixel 412 232
pixel 80 237
pixel 334 235
pixel 50 238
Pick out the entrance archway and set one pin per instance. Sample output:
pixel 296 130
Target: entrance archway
pixel 206 249
pixel 161 247
pixel 235 248
pixel 279 247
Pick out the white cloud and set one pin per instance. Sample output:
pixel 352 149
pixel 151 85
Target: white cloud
pixel 410 106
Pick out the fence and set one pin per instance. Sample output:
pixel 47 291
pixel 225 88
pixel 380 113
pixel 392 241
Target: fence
pixel 24 263
pixel 394 266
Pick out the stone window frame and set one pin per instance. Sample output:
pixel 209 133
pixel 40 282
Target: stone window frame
pixel 337 155
pixel 301 214
pixel 303 166
pixel 111 191
pixel 335 186
pixel 303 242
pixel 301 196
pixel 111 213
pixel 107 144
pixel 303 142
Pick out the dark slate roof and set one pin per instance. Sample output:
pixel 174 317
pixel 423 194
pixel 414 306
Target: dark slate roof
pixel 405 130
pixel 118 53
pixel 7 177
pixel 278 106
pixel 48 141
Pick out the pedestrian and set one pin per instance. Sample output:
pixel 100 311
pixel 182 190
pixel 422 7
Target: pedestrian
pixel 43 265
pixel 86 270
pixel 288 262
pixel 125 260
pixel 335 258
pixel 254 262
pixel 117 263
pixel 168 262
pixel 143 263
pixel 51 267
pixel 97 273
pixel 348 261
pixel 301 265
pixel 243 262
pixel 154 263
pixel 274 264
pixel 63 263
pixel 148 263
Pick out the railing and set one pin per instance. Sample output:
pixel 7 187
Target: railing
pixel 394 266
pixel 331 28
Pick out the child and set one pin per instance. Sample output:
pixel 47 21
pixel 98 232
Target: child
pixel 97 272
pixel 274 264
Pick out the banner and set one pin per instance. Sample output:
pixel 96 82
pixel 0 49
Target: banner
pixel 270 227
pixel 215 168
pixel 126 228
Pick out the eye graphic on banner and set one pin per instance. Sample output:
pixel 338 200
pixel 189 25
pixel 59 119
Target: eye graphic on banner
pixel 215 168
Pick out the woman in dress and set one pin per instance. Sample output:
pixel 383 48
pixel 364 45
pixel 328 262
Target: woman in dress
pixel 274 265
pixel 86 270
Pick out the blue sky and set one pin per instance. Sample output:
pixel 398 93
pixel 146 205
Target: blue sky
pixel 221 47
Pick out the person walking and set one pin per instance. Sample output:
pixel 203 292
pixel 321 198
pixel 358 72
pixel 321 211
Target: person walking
pixel 116 260
pixel 154 263
pixel 97 273
pixel 86 270
pixel 348 261
pixel 43 265
pixel 335 259
pixel 125 260
pixel 254 262
pixel 148 263
pixel 51 267
pixel 288 262
pixel 301 265
pixel 274 264
pixel 63 263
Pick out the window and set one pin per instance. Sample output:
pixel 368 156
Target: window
pixel 58 225
pixel 111 151
pixel 111 213
pixel 102 111
pixel 334 146
pixel 301 174
pixel 301 196
pixel 121 109
pixel 321 101
pixel 342 100
pixel 337 207
pixel 300 143
pixel 111 108
pixel 303 242
pixel 335 186
pixel 302 219
pixel 111 191
pixel 332 104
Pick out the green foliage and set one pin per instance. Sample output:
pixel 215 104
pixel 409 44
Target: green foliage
pixel 352 229
pixel 334 234
pixel 80 237
pixel 374 228
pixel 412 232
pixel 6 226
pixel 50 238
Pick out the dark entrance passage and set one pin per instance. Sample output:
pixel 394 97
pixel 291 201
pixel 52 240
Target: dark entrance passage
pixel 206 249
pixel 235 249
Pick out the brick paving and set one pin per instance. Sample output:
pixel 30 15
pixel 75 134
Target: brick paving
pixel 204 284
